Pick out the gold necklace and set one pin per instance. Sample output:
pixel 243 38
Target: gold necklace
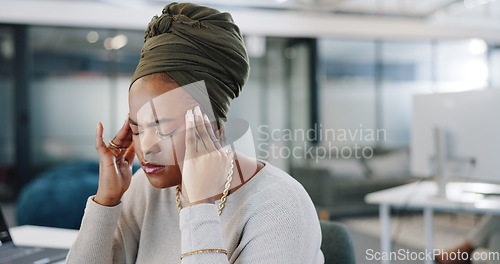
pixel 224 193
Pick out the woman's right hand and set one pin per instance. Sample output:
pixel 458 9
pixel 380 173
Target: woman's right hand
pixel 115 165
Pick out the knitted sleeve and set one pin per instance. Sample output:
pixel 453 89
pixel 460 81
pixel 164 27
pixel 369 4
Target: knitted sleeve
pixel 110 234
pixel 96 241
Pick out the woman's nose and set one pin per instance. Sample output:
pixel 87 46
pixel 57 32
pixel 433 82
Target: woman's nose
pixel 149 139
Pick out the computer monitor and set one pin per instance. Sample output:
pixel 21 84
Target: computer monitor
pixel 466 125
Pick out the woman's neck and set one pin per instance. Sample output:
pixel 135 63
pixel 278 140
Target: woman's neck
pixel 244 169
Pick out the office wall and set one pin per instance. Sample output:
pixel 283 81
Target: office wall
pixel 369 84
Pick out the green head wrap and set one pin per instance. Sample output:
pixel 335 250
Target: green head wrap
pixel 195 43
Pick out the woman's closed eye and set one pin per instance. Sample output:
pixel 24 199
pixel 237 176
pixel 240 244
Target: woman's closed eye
pixel 158 132
pixel 135 130
pixel 165 135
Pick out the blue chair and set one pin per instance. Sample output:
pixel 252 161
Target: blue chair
pixel 336 243
pixel 57 197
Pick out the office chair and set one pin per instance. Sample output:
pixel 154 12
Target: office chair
pixel 336 243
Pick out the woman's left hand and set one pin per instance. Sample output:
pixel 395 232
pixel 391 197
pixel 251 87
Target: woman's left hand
pixel 206 164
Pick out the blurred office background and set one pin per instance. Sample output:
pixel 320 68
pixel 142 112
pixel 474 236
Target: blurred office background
pixel 344 64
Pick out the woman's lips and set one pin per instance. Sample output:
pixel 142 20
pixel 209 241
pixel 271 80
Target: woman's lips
pixel 151 168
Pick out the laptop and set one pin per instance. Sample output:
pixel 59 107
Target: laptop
pixel 12 254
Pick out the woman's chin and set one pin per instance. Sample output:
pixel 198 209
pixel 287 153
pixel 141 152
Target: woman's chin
pixel 170 176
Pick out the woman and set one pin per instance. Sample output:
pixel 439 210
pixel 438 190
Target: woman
pixel 195 200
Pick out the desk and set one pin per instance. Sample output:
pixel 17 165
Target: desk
pixel 423 196
pixel 40 236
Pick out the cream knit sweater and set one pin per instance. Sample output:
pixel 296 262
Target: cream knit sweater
pixel 270 219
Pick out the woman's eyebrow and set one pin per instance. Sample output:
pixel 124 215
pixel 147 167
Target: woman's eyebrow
pixel 157 122
pixel 132 122
pixel 152 124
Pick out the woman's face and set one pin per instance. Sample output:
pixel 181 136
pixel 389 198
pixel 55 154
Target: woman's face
pixel 157 108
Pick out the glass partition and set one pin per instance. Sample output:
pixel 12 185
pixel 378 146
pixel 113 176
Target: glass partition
pixel 347 90
pixel 461 65
pixel 406 69
pixel 7 111
pixel 367 84
pixel 81 76
pixel 495 67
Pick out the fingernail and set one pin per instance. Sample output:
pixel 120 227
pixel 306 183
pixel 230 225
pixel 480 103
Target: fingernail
pixel 206 118
pixel 197 110
pixel 189 115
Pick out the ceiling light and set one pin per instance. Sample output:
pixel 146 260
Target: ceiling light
pixel 256 46
pixel 477 46
pixel 119 42
pixel 115 43
pixel 107 44
pixel 92 37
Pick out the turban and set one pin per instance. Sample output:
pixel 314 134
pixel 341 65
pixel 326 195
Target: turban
pixel 194 43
